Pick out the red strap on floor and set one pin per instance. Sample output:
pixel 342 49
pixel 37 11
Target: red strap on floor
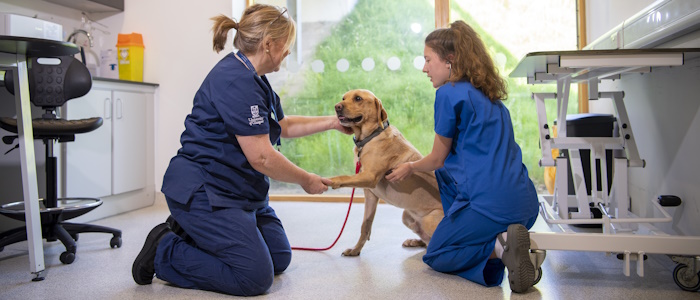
pixel 352 195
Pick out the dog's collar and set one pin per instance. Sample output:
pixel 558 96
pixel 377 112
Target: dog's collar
pixel 376 132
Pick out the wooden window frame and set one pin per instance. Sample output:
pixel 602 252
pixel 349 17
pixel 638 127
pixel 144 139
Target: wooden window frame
pixel 442 13
pixel 581 42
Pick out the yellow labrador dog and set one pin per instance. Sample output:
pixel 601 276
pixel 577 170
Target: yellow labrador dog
pixel 380 148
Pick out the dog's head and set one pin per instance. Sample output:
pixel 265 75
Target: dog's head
pixel 360 108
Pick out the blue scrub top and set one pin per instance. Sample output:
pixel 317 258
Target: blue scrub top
pixel 232 100
pixel 484 161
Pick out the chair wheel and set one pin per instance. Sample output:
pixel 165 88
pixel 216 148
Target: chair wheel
pixel 2 248
pixel 115 242
pixel 539 275
pixel 67 257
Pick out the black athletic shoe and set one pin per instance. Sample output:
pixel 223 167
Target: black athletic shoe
pixel 143 269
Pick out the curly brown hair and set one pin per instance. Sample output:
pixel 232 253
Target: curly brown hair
pixel 462 47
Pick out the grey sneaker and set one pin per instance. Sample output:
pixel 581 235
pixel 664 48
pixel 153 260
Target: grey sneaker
pixel 516 257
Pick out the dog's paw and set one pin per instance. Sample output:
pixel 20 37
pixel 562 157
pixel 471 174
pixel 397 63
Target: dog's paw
pixel 335 183
pixel 351 252
pixel 413 243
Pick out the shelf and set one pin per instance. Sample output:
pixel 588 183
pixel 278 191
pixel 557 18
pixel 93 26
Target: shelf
pixel 92 6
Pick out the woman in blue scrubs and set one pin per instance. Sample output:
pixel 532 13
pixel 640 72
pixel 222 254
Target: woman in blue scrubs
pixel 222 235
pixel 488 199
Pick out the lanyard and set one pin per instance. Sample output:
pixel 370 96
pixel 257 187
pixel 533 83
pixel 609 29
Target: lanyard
pixel 246 61
pixel 271 94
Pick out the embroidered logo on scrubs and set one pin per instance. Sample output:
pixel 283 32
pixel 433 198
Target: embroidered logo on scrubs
pixel 256 119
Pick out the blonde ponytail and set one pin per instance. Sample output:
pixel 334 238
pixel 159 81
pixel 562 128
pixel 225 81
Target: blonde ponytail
pixel 222 24
pixel 257 22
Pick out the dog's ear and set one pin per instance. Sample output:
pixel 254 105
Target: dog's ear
pixel 381 113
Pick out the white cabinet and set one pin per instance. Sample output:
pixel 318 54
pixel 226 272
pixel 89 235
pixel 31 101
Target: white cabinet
pixel 128 141
pixel 113 159
pixel 88 159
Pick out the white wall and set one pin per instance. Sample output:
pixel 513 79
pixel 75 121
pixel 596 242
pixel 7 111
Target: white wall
pixel 603 15
pixel 178 56
pixel 664 111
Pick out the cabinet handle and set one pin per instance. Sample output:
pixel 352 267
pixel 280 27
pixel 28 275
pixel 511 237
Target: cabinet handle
pixel 119 108
pixel 107 108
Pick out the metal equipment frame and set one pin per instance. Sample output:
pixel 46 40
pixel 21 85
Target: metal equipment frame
pixel 623 233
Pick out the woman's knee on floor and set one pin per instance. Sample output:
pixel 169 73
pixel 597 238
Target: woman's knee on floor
pixel 440 261
pixel 252 282
pixel 245 273
pixel 260 280
pixel 455 258
pixel 258 283
pixel 281 261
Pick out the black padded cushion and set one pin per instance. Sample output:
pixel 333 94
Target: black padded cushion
pixel 54 127
pixel 51 85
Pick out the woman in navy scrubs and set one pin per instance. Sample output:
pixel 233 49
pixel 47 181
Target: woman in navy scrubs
pixel 488 198
pixel 222 235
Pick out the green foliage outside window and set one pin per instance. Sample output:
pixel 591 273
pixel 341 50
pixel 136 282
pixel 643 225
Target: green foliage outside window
pixel 380 30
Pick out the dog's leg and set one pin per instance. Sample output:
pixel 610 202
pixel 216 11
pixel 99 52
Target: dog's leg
pixel 431 221
pixel 367 178
pixel 371 201
pixel 360 180
pixel 414 225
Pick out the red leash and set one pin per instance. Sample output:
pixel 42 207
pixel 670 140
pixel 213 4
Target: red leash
pixel 352 195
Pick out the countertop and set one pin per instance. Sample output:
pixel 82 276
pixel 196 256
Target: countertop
pixel 124 81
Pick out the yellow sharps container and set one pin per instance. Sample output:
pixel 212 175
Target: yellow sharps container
pixel 130 56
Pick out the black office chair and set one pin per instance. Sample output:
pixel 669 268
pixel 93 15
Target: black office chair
pixel 52 82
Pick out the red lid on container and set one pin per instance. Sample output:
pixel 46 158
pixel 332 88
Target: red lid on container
pixel 132 39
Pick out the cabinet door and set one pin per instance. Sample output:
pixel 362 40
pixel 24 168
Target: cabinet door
pixel 89 157
pixel 129 141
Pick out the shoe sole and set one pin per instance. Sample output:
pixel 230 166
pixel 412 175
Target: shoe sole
pixel 522 276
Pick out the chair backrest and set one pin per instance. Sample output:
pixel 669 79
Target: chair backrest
pixel 54 80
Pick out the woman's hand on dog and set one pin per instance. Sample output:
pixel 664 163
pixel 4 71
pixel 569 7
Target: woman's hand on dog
pixel 400 172
pixel 336 125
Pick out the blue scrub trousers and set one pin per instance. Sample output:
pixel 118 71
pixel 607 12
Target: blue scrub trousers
pixel 463 241
pixel 235 251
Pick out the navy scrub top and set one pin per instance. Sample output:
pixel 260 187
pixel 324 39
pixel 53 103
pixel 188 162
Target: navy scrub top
pixel 484 161
pixel 232 100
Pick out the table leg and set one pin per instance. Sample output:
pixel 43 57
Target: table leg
pixel 28 164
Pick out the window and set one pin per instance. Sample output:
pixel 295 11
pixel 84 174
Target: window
pixel 378 45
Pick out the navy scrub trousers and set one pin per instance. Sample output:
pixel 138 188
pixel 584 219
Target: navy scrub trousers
pixel 235 251
pixel 463 241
